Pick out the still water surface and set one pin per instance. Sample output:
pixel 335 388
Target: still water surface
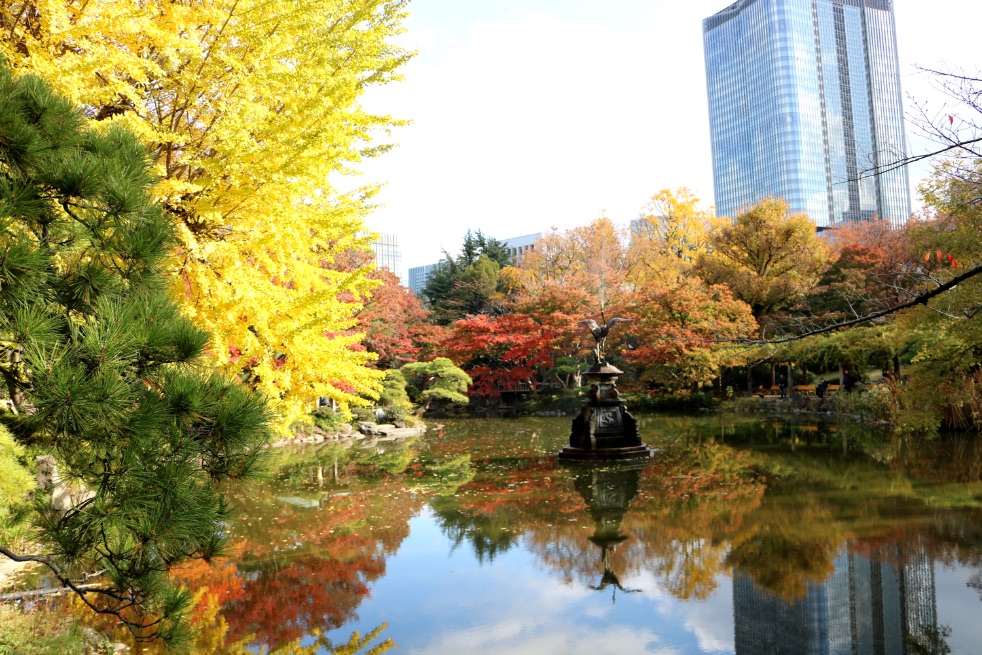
pixel 744 535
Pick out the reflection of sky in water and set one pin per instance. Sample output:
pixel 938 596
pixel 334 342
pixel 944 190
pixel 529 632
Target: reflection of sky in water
pixel 438 602
pixel 959 608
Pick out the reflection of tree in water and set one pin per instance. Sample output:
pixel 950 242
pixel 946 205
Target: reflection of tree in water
pixel 689 503
pixel 493 510
pixel 692 505
pixel 212 633
pixel 946 458
pixel 701 509
pixel 784 551
pixel 933 641
pixel 309 544
pixel 488 535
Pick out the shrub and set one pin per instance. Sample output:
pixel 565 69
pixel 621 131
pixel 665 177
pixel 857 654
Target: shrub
pixel 15 479
pixel 669 402
pixel 15 485
pixel 363 414
pixel 875 403
pixel 327 419
pixel 561 400
pixel 38 632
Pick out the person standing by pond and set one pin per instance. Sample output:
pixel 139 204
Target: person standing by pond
pixel 848 381
pixel 782 382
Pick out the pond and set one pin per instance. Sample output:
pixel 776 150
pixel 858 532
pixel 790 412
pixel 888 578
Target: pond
pixel 745 534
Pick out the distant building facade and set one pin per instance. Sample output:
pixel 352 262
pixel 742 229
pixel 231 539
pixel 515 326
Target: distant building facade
pixel 804 96
pixel 388 255
pixel 518 247
pixel 419 276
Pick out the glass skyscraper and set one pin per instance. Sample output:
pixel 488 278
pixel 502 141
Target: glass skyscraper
pixel 804 96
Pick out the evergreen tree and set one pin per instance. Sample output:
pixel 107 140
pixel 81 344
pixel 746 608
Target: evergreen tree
pixel 102 369
pixel 438 380
pixel 467 284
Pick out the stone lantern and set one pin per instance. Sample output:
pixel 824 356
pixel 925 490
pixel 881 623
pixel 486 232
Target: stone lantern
pixel 604 429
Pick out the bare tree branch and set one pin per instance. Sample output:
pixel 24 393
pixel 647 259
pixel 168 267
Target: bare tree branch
pixel 880 170
pixel 920 299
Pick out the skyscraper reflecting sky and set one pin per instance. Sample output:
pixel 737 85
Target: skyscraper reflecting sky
pixel 804 96
pixel 867 606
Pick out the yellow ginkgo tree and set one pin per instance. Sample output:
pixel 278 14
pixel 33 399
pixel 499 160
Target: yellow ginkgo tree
pixel 252 108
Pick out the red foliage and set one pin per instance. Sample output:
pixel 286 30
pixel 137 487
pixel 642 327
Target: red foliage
pixel 395 323
pixel 302 569
pixel 234 354
pixel 505 351
pixel 874 261
pixel 219 578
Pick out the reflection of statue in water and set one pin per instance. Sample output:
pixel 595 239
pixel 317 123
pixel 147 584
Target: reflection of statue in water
pixel 600 333
pixel 608 492
pixel 610 577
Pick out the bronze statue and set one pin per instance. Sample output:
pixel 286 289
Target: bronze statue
pixel 600 333
pixel 604 430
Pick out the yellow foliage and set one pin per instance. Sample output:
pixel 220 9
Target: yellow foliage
pixel 766 256
pixel 671 233
pixel 250 106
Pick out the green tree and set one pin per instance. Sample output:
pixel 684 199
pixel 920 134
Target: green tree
pixel 102 367
pixel 468 283
pixel 394 398
pixel 437 380
pixel 15 484
pixel 944 381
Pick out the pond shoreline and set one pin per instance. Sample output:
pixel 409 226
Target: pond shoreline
pixel 798 405
pixel 348 434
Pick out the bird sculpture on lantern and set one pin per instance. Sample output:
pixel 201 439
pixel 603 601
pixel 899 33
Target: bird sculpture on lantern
pixel 600 333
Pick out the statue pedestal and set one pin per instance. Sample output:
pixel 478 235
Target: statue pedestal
pixel 604 430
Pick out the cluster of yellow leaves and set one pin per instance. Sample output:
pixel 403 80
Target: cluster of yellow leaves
pixel 671 233
pixel 250 107
pixel 766 256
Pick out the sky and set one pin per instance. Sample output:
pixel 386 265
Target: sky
pixel 527 115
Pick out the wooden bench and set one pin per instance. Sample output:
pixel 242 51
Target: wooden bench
pixel 770 392
pixel 804 390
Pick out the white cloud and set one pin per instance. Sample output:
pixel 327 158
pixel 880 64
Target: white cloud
pixel 546 636
pixel 710 620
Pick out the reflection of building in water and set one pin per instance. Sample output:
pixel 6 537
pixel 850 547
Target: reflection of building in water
pixel 865 608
